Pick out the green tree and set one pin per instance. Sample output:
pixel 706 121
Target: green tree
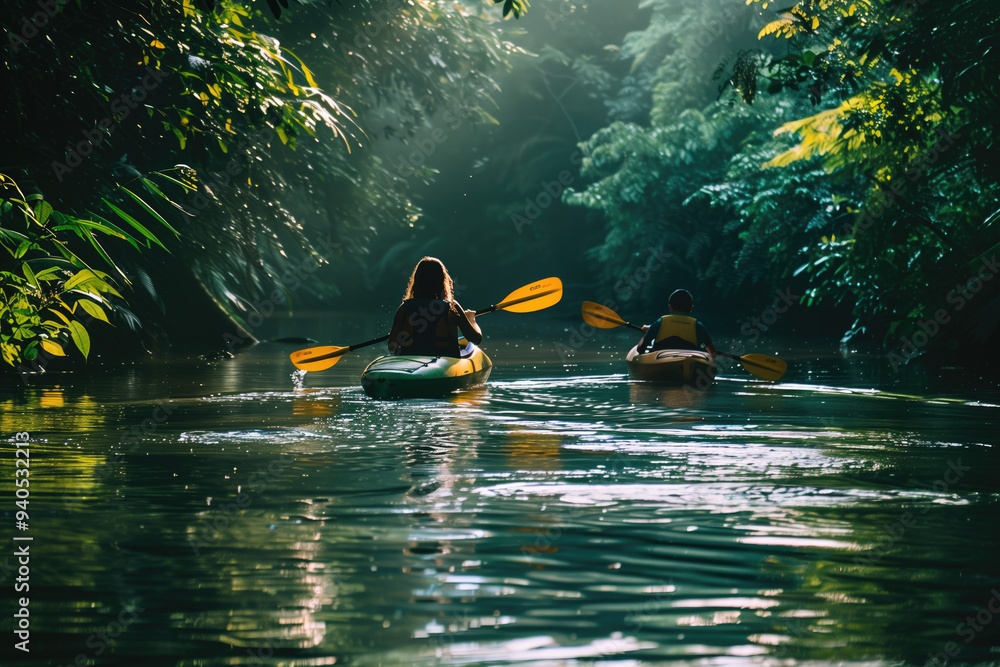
pixel 908 92
pixel 673 173
pixel 207 119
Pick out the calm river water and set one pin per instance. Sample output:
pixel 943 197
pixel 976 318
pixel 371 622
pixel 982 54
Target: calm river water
pixel 195 513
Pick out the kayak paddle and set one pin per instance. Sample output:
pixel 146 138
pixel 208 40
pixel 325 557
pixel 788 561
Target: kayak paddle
pixel 528 299
pixel 759 365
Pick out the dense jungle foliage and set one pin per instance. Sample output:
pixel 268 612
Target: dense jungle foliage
pixel 169 167
pixel 845 153
pixel 178 170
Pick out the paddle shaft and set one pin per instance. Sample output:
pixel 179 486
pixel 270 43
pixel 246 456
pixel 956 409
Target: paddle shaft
pixel 382 339
pixel 771 368
pixel 618 321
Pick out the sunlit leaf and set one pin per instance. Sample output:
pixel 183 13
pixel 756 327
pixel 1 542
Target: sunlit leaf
pixel 80 278
pixel 135 224
pixel 149 209
pixel 80 337
pixel 30 275
pixel 92 309
pixel 52 347
pixel 43 211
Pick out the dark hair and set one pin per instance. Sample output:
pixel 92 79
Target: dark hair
pixel 681 300
pixel 430 280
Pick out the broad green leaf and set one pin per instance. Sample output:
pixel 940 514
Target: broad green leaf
pixel 43 211
pixel 92 309
pixel 59 314
pixel 83 276
pixel 30 275
pixel 12 236
pixel 80 337
pixel 51 273
pixel 52 347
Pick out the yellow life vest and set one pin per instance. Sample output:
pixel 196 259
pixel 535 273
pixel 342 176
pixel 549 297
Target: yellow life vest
pixel 682 326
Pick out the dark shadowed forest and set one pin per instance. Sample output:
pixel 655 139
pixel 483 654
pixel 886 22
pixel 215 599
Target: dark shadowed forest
pixel 169 168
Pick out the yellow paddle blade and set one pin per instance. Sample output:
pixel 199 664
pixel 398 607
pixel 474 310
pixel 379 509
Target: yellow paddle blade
pixel 601 317
pixel 763 366
pixel 318 358
pixel 536 296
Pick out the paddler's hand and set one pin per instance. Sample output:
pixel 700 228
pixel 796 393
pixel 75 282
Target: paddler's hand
pixel 471 314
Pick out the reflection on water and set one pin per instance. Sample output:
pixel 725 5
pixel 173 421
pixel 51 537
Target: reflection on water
pixel 546 519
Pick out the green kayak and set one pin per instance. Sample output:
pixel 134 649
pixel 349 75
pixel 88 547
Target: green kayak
pixel 676 366
pixel 406 376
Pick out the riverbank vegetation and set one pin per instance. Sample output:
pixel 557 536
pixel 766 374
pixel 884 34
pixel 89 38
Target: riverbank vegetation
pixel 173 172
pixel 846 153
pixel 200 162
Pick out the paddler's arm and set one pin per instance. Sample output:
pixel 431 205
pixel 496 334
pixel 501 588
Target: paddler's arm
pixel 705 339
pixel 466 320
pixel 398 336
pixel 649 337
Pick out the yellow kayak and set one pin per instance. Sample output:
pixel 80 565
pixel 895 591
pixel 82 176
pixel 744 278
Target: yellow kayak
pixel 676 366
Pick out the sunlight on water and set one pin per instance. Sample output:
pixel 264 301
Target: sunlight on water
pixel 539 520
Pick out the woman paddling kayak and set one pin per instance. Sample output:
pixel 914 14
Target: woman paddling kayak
pixel 429 319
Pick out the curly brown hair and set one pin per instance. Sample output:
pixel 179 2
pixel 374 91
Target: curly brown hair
pixel 430 280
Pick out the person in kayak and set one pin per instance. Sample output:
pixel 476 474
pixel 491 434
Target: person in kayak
pixel 678 330
pixel 429 319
